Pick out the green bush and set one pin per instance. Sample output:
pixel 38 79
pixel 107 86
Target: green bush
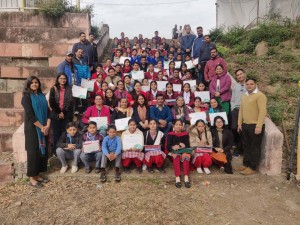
pixel 52 9
pixel 287 58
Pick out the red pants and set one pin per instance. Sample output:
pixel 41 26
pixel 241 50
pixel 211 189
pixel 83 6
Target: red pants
pixel 185 165
pixel 204 161
pixel 158 160
pixel 128 161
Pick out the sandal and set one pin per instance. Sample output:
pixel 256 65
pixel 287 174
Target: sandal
pixel 37 185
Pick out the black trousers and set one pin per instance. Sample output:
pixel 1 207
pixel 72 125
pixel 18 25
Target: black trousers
pixel 251 145
pixel 236 135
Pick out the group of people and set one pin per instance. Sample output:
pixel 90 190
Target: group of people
pixel 155 88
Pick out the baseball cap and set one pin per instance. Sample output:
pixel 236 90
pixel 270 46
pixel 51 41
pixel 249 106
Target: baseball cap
pixel 69 53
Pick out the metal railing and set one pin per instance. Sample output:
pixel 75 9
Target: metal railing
pixel 17 5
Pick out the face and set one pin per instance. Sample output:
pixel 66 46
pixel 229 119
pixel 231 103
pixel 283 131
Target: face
pixel 132 127
pixel 200 31
pixel 99 69
pixel 127 80
pixel 183 68
pixel 250 86
pixel 79 53
pixel 34 85
pixel 69 58
pixel 62 80
pixel 201 87
pixel 111 133
pixel 156 33
pixel 120 85
pixel 145 82
pixel 188 29
pixel 133 53
pixel 180 102
pixel 219 123
pixel 186 88
pixel 200 126
pixel 219 70
pixel 150 68
pixel 104 87
pixel 111 73
pixel 240 76
pixel 169 88
pixel 98 100
pixel 123 103
pixel 136 67
pixel 126 63
pixel 178 126
pixel 82 37
pixel 197 103
pixel 108 62
pixel 141 100
pixel 118 68
pixel 137 87
pixel 122 35
pixel 109 93
pixel 143 61
pixel 213 53
pixel 92 129
pixel 92 37
pixel 213 103
pixel 99 78
pixel 72 131
pixel 188 75
pixel 160 75
pixel 156 54
pixel 153 86
pixel 207 39
pixel 160 100
pixel 176 74
pixel 153 125
pixel 118 53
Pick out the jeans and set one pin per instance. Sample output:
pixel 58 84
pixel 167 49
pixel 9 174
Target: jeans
pixel 86 158
pixel 117 161
pixel 63 154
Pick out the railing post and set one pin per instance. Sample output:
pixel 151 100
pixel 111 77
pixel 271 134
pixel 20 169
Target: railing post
pixel 22 5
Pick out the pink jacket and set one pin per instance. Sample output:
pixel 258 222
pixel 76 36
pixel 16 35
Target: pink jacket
pixel 93 112
pixel 225 87
pixel 209 70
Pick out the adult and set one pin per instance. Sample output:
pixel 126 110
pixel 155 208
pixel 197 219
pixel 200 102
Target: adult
pixel 197 43
pixel 112 79
pixel 187 41
pixel 141 112
pixel 215 59
pixel 61 104
pixel 121 112
pixel 181 111
pixel 157 39
pixel 87 48
pixel 220 87
pixel 174 32
pixel 36 128
pixel 122 37
pixel 237 92
pixel 67 67
pixel 92 43
pixel 180 32
pixel 82 68
pixel 253 110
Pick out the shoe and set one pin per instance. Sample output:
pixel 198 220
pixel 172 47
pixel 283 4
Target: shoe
pixel 103 176
pixel 37 185
pixel 74 169
pixel 222 169
pixel 88 170
pixel 161 170
pixel 127 170
pixel 248 171
pixel 117 176
pixel 150 169
pixel 239 168
pixel 187 184
pixel 44 180
pixel 97 170
pixel 139 170
pixel 206 170
pixel 199 170
pixel 178 184
pixel 144 167
pixel 63 169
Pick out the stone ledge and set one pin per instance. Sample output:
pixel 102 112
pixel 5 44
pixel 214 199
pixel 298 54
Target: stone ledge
pixel 25 72
pixel 11 117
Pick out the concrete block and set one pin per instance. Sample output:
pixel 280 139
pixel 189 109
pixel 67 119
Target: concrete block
pixel 19 152
pixel 271 155
pixel 25 72
pixel 54 61
pixel 11 117
pixel 6 172
pixel 14 85
pixel 10 50
pixel 6 134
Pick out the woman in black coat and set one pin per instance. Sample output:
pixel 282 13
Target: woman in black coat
pixel 36 128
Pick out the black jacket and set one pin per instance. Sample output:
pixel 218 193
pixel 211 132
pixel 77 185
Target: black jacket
pixel 64 140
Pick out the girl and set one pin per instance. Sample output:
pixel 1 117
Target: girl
pixel 183 69
pixel 188 95
pixel 102 90
pixel 201 87
pixel 141 112
pixel 151 75
pixel 222 142
pixel 120 92
pixel 171 69
pixel 145 82
pixel 151 95
pixel 176 140
pixel 97 87
pixel 201 137
pixel 159 67
pixel 110 100
pixel 170 94
pixel 133 154
pixel 137 90
pixel 127 83
pixel 181 111
pixel 220 87
pixel 214 106
pixel 156 58
pixel 121 112
pixel 136 67
pixel 199 106
pixel 160 76
pixel 127 67
pixel 154 137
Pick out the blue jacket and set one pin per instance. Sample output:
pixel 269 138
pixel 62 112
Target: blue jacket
pixel 164 114
pixel 187 42
pixel 88 51
pixel 111 145
pixel 198 41
pixel 204 52
pixel 82 70
pixel 155 61
pixel 66 67
pixel 134 60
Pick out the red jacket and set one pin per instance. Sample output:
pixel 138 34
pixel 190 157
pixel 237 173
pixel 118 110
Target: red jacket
pixel 175 81
pixel 151 77
pixel 94 76
pixel 151 97
pixel 192 98
pixel 93 112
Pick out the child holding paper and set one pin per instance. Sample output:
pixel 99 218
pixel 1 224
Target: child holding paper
pixel 201 87
pixel 199 106
pixel 134 152
pixel 111 148
pixel 69 147
pixel 201 137
pixel 188 95
pixel 99 70
pixel 151 95
pixel 175 79
pixel 169 93
pixel 87 157
pixel 127 67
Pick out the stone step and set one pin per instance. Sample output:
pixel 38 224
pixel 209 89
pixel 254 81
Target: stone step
pixel 6 172
pixel 10 100
pixel 25 72
pixel 11 117
pixel 6 134
pixel 19 61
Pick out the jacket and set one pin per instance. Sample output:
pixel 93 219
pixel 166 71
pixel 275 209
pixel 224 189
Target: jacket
pixel 204 51
pixel 69 69
pixel 206 140
pixel 136 117
pixel 197 43
pixel 209 70
pixel 113 145
pixel 82 70
pixel 64 140
pixel 93 112
pixel 225 87
pixel 187 42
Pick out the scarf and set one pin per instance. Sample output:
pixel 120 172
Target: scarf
pixel 70 138
pixel 142 111
pixel 40 108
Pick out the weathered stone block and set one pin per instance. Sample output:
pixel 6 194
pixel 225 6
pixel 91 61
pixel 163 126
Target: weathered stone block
pixel 10 50
pixel 11 117
pixel 14 85
pixel 19 152
pixel 6 134
pixel 6 172
pixel 54 61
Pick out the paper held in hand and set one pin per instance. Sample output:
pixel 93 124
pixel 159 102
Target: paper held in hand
pixel 88 84
pixel 177 64
pixel 166 65
pixel 135 141
pixel 122 124
pixel 177 87
pixel 145 88
pixel 122 59
pixel 195 61
pixel 161 85
pixel 197 116
pixel 156 70
pixel 204 95
pixel 213 115
pixel 189 64
pixel 138 75
pixel 90 146
pixel 101 122
pixel 152 148
pixel 79 92
pixel 192 83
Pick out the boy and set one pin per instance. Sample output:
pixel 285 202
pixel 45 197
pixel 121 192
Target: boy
pixel 111 148
pixel 69 147
pixel 92 135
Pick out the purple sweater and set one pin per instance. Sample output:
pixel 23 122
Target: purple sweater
pixel 225 87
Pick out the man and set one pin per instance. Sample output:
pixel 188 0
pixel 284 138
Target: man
pixel 87 48
pixel 122 37
pixel 68 68
pixel 251 120
pixel 143 64
pixel 237 92
pixel 112 79
pixel 174 32
pixel 175 79
pixel 210 67
pixel 157 39
pixel 91 41
pixel 162 114
pixel 187 41
pixel 82 68
pixel 134 58
pixel 198 41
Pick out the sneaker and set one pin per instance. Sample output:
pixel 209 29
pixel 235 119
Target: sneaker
pixel 144 167
pixel 97 170
pixel 222 169
pixel 103 176
pixel 117 176
pixel 206 170
pixel 74 169
pixel 88 170
pixel 199 170
pixel 63 169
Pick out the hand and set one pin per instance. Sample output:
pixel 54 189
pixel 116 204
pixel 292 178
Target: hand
pixel 112 156
pixel 182 145
pixel 239 129
pixel 163 122
pixel 257 130
pixel 199 66
pixel 176 147
pixel 45 130
pixel 219 150
pixel 217 94
pixel 61 115
pixel 71 146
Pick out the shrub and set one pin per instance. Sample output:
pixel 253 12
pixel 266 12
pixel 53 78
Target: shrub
pixel 53 8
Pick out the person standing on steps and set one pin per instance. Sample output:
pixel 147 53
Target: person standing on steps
pixel 91 41
pixel 187 41
pixel 67 67
pixel 174 32
pixel 197 43
pixel 209 70
pixel 252 113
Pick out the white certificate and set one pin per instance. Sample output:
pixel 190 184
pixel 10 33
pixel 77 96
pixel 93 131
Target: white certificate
pixel 88 84
pixel 189 64
pixel 166 65
pixel 177 64
pixel 197 116
pixel 177 87
pixel 161 85
pixel 192 83
pixel 138 75
pixel 126 74
pixel 122 124
pixel 122 59
pixel 90 146
pixel 204 95
pixel 145 88
pixel 213 115
pixel 156 70
pixel 79 92
pixel 195 61
pixel 101 122
pixel 133 141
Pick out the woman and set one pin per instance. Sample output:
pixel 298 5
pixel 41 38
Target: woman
pixel 201 137
pixel 121 112
pixel 61 104
pixel 128 86
pixel 214 106
pixel 127 67
pixel 222 142
pixel 110 100
pixel 36 128
pixel 171 69
pixel 176 140
pixel 120 92
pixel 199 106
pixel 136 91
pixel 141 112
pixel 156 155
pixel 181 111
pixel 220 88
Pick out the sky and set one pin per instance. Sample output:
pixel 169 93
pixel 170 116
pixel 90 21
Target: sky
pixel 144 17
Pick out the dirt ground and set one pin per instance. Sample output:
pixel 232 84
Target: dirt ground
pixel 152 199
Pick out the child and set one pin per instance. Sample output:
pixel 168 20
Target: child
pixel 145 82
pixel 187 76
pixel 127 83
pixel 176 140
pixel 214 106
pixel 151 75
pixel 201 87
pixel 188 95
pixel 99 70
pixel 170 93
pixel 160 76
pixel 111 148
pixel 120 92
pixel 92 135
pixel 133 154
pixel 151 95
pixel 136 67
pixel 175 79
pixel 69 147
pixel 199 106
pixel 127 67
